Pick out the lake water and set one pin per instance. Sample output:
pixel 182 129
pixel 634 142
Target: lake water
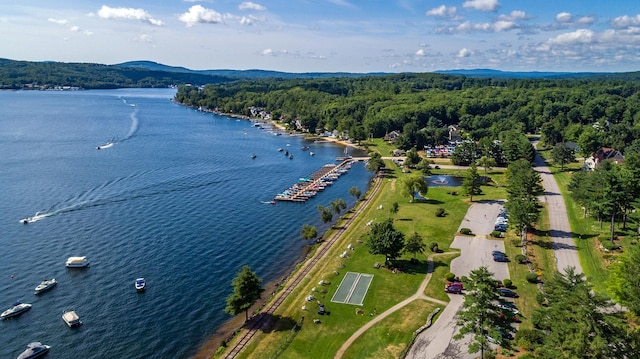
pixel 176 199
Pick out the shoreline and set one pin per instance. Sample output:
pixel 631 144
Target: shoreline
pixel 227 330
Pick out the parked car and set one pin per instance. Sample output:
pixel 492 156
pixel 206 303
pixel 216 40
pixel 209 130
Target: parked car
pixel 454 287
pixel 500 227
pixel 514 317
pixel 501 259
pixel 508 293
pixel 498 253
pixel 509 306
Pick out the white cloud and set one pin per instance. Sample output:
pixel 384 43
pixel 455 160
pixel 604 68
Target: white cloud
pixel 563 17
pixel 569 38
pixel 464 52
pixel 123 13
pixel 420 52
pixel 59 21
pixel 248 5
pixel 514 15
pixel 503 25
pixel 443 11
pixel 586 20
pixel 482 5
pixel 625 21
pixel 267 52
pixel 75 28
pixel 198 14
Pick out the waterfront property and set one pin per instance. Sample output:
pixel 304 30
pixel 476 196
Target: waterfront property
pixel 308 187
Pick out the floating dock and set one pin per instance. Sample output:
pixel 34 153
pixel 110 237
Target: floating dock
pixel 308 187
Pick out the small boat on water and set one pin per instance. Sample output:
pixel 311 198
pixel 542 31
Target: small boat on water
pixel 34 350
pixel 72 319
pixel 46 285
pixel 311 153
pixel 35 217
pixel 304 148
pixel 17 309
pixel 77 262
pixel 280 149
pixel 140 284
pixel 253 155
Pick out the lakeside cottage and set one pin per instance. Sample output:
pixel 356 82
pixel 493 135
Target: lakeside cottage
pixel 602 154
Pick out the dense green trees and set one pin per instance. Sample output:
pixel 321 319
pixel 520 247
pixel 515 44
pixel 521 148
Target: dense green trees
pixel 562 154
pixel 579 323
pixel 624 281
pixel 523 187
pixel 247 289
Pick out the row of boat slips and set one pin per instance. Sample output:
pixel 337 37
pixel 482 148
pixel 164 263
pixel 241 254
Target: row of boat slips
pixel 309 186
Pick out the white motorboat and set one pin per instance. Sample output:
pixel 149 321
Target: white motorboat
pixel 77 262
pixel 140 284
pixel 34 350
pixel 71 318
pixel 17 309
pixel 46 285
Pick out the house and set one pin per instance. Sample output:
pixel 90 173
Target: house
pixel 454 133
pixel 392 136
pixel 397 153
pixel 602 154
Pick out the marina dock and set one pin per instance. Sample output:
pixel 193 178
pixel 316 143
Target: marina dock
pixel 308 187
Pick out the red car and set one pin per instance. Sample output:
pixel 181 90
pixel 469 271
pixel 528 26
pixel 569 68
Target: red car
pixel 455 287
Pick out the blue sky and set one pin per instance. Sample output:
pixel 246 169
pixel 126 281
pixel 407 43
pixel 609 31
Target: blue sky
pixel 329 35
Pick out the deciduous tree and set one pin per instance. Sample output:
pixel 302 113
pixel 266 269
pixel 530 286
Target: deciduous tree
pixel 414 244
pixel 385 239
pixel 309 232
pixel 246 291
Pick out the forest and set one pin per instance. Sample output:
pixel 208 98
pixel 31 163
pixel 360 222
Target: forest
pixel 592 112
pixel 46 75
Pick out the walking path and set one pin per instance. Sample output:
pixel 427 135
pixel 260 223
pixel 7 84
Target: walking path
pixel 418 295
pixel 565 251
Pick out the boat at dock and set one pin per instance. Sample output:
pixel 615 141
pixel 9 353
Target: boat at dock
pixel 308 187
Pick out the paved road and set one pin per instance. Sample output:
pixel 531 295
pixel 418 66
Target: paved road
pixel 564 245
pixel 436 342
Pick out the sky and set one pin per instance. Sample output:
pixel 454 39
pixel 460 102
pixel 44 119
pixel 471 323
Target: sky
pixel 329 35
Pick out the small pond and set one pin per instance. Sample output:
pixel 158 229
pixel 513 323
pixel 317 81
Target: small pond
pixel 444 181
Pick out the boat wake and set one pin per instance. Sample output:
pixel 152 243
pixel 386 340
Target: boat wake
pixel 118 191
pixel 132 129
pixel 268 202
pixel 36 217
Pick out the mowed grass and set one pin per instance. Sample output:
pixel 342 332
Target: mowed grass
pixel 322 340
pixel 390 337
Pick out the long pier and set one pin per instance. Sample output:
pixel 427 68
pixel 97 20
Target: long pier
pixel 310 186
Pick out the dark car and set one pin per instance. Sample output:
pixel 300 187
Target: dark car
pixel 455 287
pixel 501 259
pixel 508 293
pixel 498 253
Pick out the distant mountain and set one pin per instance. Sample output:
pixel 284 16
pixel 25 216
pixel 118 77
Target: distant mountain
pixel 244 74
pixel 489 73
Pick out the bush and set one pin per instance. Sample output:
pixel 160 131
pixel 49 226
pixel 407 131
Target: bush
pixel 433 247
pixel 529 339
pixel 450 277
pixel 516 242
pixel 466 231
pixel 608 245
pixel 507 283
pixel 496 234
pixel 440 212
pixel 521 258
pixel 531 277
pixel 541 299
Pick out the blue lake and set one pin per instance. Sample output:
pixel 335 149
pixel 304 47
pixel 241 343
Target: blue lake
pixel 176 199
